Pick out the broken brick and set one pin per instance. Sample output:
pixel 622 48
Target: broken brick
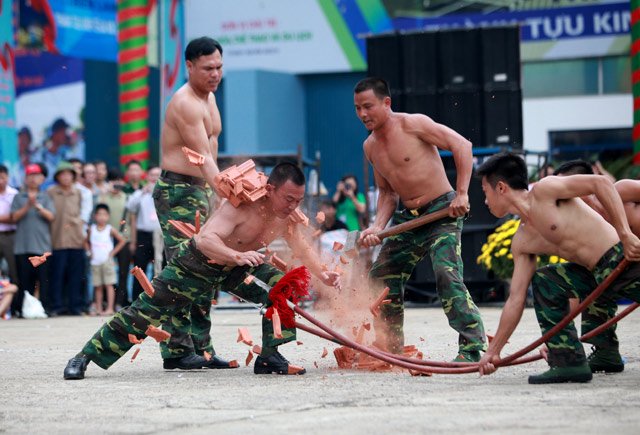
pixel 375 306
pixel 299 343
pixel 343 260
pixel 249 358
pixel 257 349
pixel 197 225
pixel 157 334
pixel 214 302
pixel 278 263
pixel 134 340
pixel 135 354
pixel 249 279
pixel 143 280
pixel 277 326
pixel 337 246
pixel 193 157
pixel 234 364
pixel 244 336
pixel 325 352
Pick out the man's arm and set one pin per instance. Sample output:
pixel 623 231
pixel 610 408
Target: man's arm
pixel 447 139
pixel 220 226
pixel 121 242
pixel 303 250
pixel 581 185
pixel 192 131
pixel 524 268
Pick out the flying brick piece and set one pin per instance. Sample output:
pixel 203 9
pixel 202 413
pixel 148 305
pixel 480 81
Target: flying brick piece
pixel 241 183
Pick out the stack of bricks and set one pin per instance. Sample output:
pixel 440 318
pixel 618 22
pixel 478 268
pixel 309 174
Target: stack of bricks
pixel 241 183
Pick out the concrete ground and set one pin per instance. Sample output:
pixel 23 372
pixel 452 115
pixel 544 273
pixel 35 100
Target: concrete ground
pixel 140 397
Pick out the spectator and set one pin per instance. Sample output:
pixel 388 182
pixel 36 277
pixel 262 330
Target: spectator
pixel 32 211
pixel 145 229
pixel 88 180
pixel 7 228
pixel 350 204
pixel 102 172
pixel 67 240
pixel 7 291
pixel 26 152
pixel 103 272
pixel 56 149
pixel 116 200
pixel 87 196
pixel 133 176
pixel 330 222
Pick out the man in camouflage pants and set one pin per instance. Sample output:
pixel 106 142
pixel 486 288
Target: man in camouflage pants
pixel 221 255
pixel 575 279
pixel 555 221
pixel 192 120
pixel 403 149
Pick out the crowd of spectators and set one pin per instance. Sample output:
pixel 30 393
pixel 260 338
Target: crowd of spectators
pixel 95 222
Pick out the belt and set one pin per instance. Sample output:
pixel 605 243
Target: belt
pixel 174 176
pixel 8 232
pixel 444 198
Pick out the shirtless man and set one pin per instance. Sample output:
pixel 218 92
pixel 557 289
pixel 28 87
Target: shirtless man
pixel 403 149
pixel 605 355
pixel 554 221
pixel 192 119
pixel 219 257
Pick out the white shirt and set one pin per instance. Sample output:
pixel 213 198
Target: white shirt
pixel 6 199
pixel 141 203
pixel 101 244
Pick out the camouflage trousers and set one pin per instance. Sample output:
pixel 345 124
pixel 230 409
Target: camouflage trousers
pixel 190 328
pixel 186 277
pixel 399 256
pixel 554 285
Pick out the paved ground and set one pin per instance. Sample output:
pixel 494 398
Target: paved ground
pixel 140 397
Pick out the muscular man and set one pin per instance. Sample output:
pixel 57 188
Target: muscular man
pixel 555 221
pixel 219 257
pixel 192 120
pixel 403 149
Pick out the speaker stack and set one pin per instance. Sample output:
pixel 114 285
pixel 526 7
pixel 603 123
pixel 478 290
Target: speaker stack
pixel 467 79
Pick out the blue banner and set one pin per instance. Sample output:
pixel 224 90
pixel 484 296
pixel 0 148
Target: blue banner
pixel 8 136
pixel 40 69
pixel 81 28
pixel 538 25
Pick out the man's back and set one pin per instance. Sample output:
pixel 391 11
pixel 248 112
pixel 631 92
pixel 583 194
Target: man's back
pixel 567 227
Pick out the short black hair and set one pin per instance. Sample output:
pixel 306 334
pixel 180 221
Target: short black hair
pixel 379 87
pixel 101 206
pixel 75 160
pixel 573 167
pixel 114 174
pixel 327 203
pixel 202 46
pixel 133 162
pixel 507 167
pixel 4 169
pixel 43 169
pixel 286 171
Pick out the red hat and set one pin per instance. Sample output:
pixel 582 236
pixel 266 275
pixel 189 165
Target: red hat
pixel 33 168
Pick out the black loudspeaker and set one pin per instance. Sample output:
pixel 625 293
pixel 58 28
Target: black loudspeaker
pixel 425 103
pixel 462 111
pixel 384 59
pixel 503 118
pixel 500 57
pixel 420 62
pixel 459 59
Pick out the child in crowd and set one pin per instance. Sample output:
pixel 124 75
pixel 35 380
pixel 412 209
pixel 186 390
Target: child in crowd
pixel 7 290
pixel 100 238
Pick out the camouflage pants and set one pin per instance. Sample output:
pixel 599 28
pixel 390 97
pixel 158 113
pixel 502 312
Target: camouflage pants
pixel 553 286
pixel 190 328
pixel 186 278
pixel 399 256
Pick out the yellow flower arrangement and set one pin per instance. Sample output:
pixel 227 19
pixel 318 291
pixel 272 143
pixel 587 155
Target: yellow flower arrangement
pixel 496 252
